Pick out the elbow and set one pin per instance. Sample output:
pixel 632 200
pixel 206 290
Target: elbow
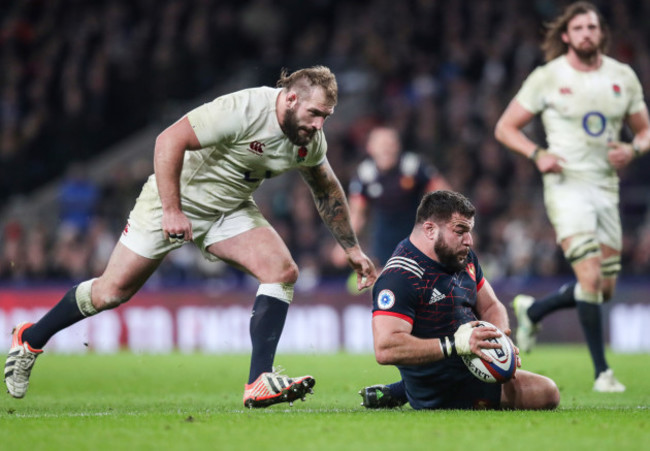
pixel 384 357
pixel 498 132
pixel 161 139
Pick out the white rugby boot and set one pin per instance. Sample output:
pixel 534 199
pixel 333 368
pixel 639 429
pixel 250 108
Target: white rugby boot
pixel 20 362
pixel 607 383
pixel 526 330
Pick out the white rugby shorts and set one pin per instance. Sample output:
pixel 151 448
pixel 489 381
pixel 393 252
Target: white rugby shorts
pixel 575 207
pixel 143 233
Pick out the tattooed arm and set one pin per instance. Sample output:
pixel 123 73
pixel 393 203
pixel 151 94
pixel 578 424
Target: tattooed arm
pixel 333 209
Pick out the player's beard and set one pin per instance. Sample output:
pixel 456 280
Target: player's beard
pixel 291 129
pixel 586 54
pixel 450 259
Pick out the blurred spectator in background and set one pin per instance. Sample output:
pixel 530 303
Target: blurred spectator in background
pixel 78 199
pixel 386 190
pixel 79 76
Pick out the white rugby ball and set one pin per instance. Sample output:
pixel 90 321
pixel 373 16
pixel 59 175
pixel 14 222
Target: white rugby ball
pixel 504 363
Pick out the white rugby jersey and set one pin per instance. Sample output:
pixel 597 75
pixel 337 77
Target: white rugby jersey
pixel 242 144
pixel 582 112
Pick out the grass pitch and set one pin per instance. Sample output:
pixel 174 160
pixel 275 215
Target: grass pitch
pixel 195 402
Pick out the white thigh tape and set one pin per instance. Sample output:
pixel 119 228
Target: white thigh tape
pixel 593 298
pixel 84 301
pixel 281 291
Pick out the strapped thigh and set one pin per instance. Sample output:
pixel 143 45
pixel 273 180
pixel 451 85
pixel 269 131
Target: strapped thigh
pixel 582 247
pixel 611 266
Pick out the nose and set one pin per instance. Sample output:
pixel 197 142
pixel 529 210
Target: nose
pixel 468 240
pixel 318 123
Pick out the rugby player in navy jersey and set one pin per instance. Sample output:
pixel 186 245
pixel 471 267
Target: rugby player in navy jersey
pixel 426 301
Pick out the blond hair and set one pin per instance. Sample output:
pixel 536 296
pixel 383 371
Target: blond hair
pixel 553 46
pixel 304 79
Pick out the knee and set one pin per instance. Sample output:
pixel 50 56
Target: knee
pixel 551 398
pixel 108 297
pixel 288 273
pixel 591 281
pixel 608 290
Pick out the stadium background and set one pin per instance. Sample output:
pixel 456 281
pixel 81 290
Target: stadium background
pixel 87 86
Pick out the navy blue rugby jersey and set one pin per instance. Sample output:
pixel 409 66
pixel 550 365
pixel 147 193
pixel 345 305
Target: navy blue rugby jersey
pixel 423 292
pixel 436 302
pixel 393 197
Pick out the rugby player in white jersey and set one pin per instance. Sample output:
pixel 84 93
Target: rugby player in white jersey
pixel 583 97
pixel 207 166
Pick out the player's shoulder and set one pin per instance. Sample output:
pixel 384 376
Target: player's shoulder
pixel 367 171
pixel 261 97
pixel 613 65
pixel 410 163
pixel 403 266
pixel 551 68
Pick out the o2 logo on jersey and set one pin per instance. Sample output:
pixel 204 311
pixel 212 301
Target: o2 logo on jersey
pixel 385 299
pixel 594 123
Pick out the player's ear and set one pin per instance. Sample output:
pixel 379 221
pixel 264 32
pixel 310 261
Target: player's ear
pixel 291 99
pixel 430 230
pixel 565 38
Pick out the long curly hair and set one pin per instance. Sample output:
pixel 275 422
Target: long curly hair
pixel 553 46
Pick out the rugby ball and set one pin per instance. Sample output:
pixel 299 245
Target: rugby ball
pixel 504 363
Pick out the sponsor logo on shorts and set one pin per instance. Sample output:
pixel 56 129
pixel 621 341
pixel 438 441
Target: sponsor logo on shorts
pixel 385 299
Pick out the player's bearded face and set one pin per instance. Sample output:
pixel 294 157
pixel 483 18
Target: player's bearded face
pixel 586 49
pixel 584 35
pixel 297 134
pixel 454 258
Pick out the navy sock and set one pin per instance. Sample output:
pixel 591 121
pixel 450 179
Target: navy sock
pixel 398 391
pixel 590 319
pixel 62 315
pixel 563 298
pixel 266 326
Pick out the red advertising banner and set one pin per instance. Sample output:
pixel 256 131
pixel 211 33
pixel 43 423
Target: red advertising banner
pixel 325 320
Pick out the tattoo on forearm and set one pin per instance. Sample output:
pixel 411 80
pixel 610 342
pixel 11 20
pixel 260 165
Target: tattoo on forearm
pixel 330 203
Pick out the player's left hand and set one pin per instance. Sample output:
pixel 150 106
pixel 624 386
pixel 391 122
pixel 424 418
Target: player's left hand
pixel 363 266
pixel 508 332
pixel 620 154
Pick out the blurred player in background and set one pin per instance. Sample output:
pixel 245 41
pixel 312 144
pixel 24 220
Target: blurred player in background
pixel 424 302
pixel 385 192
pixel 583 97
pixel 387 188
pixel 207 166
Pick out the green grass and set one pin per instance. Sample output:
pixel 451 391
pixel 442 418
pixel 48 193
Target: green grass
pixel 194 402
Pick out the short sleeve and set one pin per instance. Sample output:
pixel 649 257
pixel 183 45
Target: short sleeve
pixel 531 94
pixel 216 121
pixel 636 93
pixel 394 295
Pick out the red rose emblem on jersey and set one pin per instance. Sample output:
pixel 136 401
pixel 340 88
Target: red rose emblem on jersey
pixel 616 89
pixel 302 154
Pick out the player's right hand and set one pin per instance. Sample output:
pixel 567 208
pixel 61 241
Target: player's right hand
pixel 549 163
pixel 176 226
pixel 363 266
pixel 470 339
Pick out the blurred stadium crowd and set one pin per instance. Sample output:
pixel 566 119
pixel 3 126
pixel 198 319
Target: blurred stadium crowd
pixel 79 76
